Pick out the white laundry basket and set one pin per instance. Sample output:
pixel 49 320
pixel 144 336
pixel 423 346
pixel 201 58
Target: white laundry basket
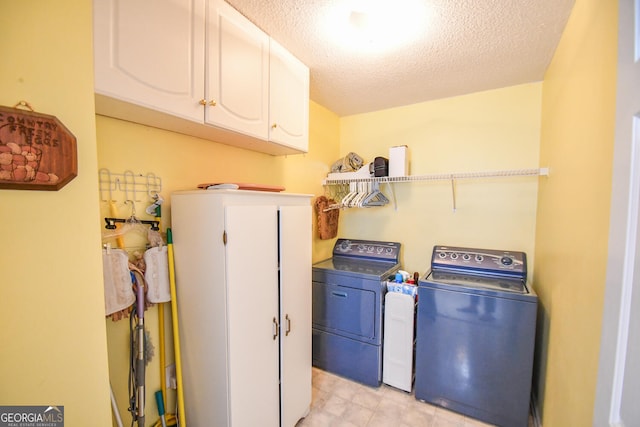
pixel 399 337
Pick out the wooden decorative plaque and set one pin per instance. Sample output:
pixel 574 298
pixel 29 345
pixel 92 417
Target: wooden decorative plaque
pixel 37 152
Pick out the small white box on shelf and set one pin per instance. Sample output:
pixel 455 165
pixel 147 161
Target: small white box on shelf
pixel 399 160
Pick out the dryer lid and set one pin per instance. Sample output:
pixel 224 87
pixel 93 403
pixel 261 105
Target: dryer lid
pixel 359 267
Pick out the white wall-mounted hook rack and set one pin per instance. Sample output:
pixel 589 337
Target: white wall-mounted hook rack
pixel 130 185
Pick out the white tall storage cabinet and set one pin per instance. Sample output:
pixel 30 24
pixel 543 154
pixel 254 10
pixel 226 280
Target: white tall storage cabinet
pixel 243 278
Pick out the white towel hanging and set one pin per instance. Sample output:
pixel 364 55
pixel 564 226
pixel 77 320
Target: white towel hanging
pixel 118 293
pixel 157 274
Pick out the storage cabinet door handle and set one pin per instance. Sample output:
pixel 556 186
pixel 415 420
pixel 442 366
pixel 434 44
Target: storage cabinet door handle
pixel 212 103
pixel 286 334
pixel 339 294
pixel 275 328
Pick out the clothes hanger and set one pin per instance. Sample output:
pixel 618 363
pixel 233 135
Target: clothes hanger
pixel 375 197
pixel 353 187
pixel 363 191
pixel 130 225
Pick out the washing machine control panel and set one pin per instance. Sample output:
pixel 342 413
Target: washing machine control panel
pixel 381 251
pixel 481 261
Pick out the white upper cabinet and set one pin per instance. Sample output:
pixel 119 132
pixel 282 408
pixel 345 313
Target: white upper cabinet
pixel 201 68
pixel 151 54
pixel 288 99
pixel 237 72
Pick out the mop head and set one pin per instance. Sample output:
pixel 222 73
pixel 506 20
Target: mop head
pixel 149 349
pixel 170 419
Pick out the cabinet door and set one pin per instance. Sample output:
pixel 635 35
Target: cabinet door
pixel 252 307
pixel 237 72
pixel 151 54
pixel 295 297
pixel 288 99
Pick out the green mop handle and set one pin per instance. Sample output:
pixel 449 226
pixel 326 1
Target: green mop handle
pixel 160 403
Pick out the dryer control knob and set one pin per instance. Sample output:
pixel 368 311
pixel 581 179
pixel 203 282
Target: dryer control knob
pixel 505 260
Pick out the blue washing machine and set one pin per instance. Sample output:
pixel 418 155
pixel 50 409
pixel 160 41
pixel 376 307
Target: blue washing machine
pixel 475 334
pixel 348 293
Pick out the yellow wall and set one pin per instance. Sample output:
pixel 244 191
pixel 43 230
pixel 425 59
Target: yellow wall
pixel 183 162
pixel 493 130
pixel 573 212
pixel 54 349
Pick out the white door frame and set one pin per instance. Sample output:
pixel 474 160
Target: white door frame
pixel 623 272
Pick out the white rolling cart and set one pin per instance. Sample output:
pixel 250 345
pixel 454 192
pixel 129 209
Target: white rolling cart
pixel 399 336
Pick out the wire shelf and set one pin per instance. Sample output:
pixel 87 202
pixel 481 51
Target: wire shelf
pixel 453 177
pixel 443 176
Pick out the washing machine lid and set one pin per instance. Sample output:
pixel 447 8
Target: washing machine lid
pixel 358 267
pixel 474 281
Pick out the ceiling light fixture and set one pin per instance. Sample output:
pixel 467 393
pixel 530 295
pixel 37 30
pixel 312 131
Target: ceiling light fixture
pixel 375 25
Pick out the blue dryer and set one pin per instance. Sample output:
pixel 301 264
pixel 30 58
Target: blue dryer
pixel 476 333
pixel 348 306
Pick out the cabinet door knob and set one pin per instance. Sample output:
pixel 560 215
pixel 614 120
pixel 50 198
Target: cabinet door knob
pixel 203 102
pixel 213 103
pixel 273 126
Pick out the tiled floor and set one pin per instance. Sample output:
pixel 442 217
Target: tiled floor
pixel 338 402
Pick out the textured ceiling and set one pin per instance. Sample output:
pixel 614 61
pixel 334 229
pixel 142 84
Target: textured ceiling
pixel 462 46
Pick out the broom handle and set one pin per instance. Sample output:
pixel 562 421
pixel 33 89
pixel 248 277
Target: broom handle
pixel 176 332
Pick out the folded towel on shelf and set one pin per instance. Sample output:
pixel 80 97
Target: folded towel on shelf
pixel 157 274
pixel 118 294
pixel 349 163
